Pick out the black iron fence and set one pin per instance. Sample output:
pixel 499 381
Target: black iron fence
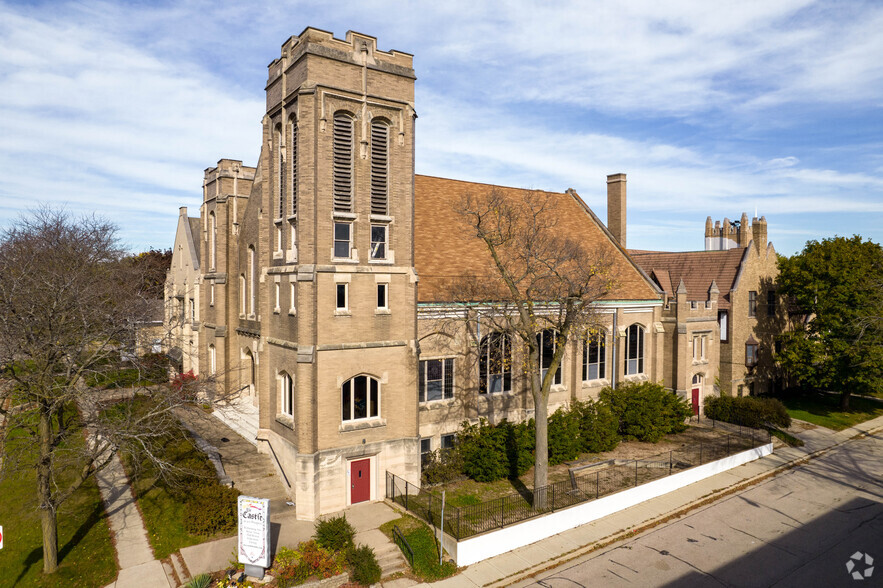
pixel 587 482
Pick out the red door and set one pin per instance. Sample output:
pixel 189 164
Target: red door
pixel 696 401
pixel 360 481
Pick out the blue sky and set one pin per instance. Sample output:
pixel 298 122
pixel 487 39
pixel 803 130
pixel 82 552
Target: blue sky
pixel 711 108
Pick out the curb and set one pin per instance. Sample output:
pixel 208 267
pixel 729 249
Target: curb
pixel 714 496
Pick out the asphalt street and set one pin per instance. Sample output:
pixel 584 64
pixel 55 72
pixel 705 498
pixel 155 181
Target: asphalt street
pixel 800 528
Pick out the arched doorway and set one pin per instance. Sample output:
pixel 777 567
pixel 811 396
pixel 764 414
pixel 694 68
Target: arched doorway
pixel 696 393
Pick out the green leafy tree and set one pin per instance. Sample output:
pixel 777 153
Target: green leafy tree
pixel 835 286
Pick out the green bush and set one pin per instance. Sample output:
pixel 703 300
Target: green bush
pixel 520 443
pixel 646 411
pixel 211 509
pixel 309 559
pixel 200 581
pixel 750 411
pixel 442 465
pixel 484 452
pixel 564 436
pixel 598 426
pixel 335 534
pixel 365 569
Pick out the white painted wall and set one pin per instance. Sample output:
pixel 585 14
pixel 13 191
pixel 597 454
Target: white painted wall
pixel 478 548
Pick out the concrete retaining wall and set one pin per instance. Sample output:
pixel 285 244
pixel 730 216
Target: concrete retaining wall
pixel 478 548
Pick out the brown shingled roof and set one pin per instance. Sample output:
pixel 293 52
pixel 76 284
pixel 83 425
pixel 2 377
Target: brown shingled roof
pixel 696 268
pixel 446 250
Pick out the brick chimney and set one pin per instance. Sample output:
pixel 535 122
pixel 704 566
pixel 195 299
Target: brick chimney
pixel 616 207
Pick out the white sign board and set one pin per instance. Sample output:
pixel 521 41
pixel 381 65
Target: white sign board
pixel 254 531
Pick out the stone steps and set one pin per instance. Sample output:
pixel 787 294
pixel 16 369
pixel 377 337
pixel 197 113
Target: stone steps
pixel 240 416
pixel 390 559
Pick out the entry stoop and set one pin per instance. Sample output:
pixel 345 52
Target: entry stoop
pixel 388 554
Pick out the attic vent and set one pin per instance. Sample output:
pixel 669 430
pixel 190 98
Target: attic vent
pixel 293 158
pixel 343 162
pixel 379 167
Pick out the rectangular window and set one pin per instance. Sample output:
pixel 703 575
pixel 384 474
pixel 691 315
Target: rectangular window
pixel 594 358
pixel 343 240
pixel 436 379
pixel 771 302
pixel 447 441
pixel 342 298
pixel 378 241
pixel 750 354
pixel 382 296
pixel 752 303
pixel 722 320
pixel 192 310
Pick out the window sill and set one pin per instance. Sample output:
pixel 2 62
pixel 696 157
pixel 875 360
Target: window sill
pixel 285 420
pixel 339 260
pixel 381 218
pixel 277 254
pixel 493 394
pixel 291 312
pixel 596 383
pixel 437 404
pixel 359 425
pixel 636 378
pixel 291 256
pixel 342 313
pixel 700 362
pixel 382 311
pixel 344 215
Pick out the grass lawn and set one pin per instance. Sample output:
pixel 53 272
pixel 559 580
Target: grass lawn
pixel 419 536
pixel 163 505
pixel 86 554
pixel 824 410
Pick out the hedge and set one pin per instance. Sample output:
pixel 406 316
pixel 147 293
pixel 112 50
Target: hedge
pixel 750 411
pixel 646 411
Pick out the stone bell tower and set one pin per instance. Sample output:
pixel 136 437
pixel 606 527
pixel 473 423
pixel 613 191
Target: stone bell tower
pixel 339 315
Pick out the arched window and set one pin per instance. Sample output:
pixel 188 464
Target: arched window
pixel 360 398
pixel 212 360
pixel 213 239
pixel 292 157
pixel 251 280
pixel 286 394
pixel 343 162
pixel 595 357
pixel 242 294
pixel 379 167
pixel 278 143
pixel 547 341
pixel 495 364
pixel 634 350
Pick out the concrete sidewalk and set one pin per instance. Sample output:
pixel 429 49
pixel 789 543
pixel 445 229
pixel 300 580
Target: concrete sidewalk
pixel 516 567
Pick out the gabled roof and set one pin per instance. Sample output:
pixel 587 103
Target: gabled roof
pixel 445 249
pixel 698 269
pixel 195 233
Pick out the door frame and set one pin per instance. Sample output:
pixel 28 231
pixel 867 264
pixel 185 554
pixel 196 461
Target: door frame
pixel 372 478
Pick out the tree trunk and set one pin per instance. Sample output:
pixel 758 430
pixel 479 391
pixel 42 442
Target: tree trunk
pixel 48 520
pixel 541 455
pixel 844 400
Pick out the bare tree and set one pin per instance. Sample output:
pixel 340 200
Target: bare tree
pixel 538 287
pixel 68 305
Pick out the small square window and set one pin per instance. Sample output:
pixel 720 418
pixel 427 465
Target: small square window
pixel 383 296
pixel 342 302
pixel 447 441
pixel 378 241
pixel 343 241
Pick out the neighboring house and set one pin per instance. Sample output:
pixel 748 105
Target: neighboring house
pixel 182 296
pixel 732 282
pixel 321 282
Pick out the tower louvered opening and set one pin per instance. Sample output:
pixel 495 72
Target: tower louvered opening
pixel 293 158
pixel 379 168
pixel 343 162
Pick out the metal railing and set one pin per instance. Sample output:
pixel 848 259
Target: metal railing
pixel 400 540
pixel 605 477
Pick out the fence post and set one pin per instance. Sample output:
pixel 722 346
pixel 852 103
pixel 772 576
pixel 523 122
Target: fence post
pixel 728 444
pixel 406 495
pixel 669 463
pixel 636 473
pixel 459 511
pixel 597 479
pixel 700 453
pixel 553 498
pixel 502 511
